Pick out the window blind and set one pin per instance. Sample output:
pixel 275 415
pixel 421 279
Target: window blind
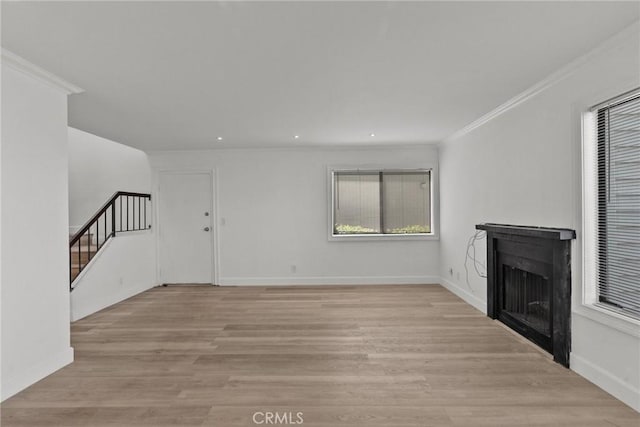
pixel 618 203
pixel 381 202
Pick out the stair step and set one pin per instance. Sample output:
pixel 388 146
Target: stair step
pixel 85 248
pixel 75 270
pixel 82 257
pixel 84 239
pixel 81 253
pixel 85 234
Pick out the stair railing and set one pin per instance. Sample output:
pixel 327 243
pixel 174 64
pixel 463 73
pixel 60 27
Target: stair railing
pixel 123 212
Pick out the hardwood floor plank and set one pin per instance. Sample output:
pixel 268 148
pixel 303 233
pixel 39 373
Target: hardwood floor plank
pixel 397 356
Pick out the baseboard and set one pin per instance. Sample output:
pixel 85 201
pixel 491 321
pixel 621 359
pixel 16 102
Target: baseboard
pixel 467 296
pixel 603 379
pixel 12 384
pixel 328 280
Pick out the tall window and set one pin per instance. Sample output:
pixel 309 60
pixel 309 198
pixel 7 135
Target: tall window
pixel 618 204
pixel 381 202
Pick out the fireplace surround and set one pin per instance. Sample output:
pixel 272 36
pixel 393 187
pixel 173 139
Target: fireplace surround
pixel 529 283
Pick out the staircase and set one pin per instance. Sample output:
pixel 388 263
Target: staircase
pixel 123 212
pixel 81 254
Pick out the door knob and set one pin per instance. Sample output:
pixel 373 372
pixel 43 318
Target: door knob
pixel 206 229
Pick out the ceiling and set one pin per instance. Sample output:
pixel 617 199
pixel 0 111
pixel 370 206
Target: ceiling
pixel 178 75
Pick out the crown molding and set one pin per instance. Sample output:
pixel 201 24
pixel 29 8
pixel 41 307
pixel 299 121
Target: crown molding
pixel 22 65
pixel 291 147
pixel 631 31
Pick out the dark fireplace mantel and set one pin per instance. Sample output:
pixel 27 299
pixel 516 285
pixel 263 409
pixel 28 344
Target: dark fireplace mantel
pixel 529 283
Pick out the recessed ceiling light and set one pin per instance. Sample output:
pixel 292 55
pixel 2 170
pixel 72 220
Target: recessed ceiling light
pixel 372 134
pixel 296 136
pixel 219 138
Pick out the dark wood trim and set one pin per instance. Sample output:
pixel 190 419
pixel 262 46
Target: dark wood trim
pixel 561 300
pixel 492 295
pixel 524 230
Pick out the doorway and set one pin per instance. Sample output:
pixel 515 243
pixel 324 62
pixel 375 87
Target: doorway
pixel 185 227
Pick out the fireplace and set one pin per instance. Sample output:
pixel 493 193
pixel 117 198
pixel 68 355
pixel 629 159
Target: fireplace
pixel 529 283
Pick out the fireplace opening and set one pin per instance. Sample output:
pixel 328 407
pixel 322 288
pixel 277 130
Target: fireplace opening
pixel 529 283
pixel 527 298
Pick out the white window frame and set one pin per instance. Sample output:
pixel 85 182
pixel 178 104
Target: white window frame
pixel 435 205
pixel 590 307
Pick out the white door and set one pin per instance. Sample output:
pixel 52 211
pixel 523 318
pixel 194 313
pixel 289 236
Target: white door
pixel 185 202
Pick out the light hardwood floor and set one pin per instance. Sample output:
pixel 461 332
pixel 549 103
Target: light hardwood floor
pixel 342 355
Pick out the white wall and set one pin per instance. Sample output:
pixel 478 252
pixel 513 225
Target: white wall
pixel 99 167
pixel 124 267
pixel 35 271
pixel 273 204
pixel 524 167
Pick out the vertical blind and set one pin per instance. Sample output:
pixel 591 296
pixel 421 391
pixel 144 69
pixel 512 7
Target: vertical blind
pixel 618 204
pixel 357 203
pixel 381 202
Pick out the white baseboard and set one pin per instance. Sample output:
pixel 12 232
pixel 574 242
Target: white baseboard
pixel 328 280
pixel 603 379
pixel 467 296
pixel 13 383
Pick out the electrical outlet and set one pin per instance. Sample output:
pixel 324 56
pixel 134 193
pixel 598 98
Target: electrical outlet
pixel 294 268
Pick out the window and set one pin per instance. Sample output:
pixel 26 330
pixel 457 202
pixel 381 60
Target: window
pixel 618 204
pixel 381 202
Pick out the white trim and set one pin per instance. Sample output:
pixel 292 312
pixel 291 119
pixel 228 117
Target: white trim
pixel 606 381
pixel 329 280
pixel 22 65
pixel 550 80
pixel 609 318
pixel 467 296
pixel 588 186
pixel 374 237
pixel 215 215
pixel 12 383
pixel 215 259
pixel 617 100
pixel 307 147
pixel 585 304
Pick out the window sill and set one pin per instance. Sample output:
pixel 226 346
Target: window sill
pixel 610 318
pixel 387 237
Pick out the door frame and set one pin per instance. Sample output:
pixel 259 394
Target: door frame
pixel 215 259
